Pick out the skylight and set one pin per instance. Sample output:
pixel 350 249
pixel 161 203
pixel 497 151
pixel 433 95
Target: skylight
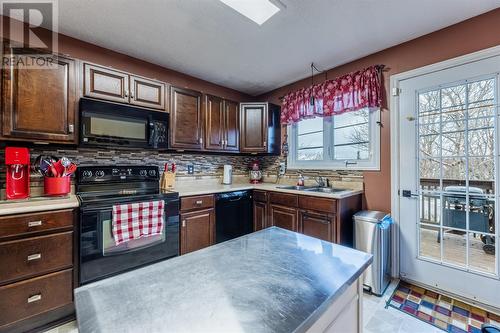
pixel 258 11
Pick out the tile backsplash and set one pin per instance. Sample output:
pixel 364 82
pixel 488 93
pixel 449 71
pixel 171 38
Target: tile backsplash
pixel 205 165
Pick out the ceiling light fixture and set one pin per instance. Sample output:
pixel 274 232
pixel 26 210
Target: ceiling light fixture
pixel 258 11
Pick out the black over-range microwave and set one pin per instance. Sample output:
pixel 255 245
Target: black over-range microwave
pixel 104 124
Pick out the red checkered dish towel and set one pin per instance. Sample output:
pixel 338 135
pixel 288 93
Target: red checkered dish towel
pixel 136 220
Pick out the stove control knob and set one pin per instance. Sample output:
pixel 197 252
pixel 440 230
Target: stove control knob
pixel 99 174
pixel 87 174
pixel 143 172
pixel 152 173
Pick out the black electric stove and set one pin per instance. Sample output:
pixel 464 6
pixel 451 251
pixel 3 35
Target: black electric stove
pixel 99 188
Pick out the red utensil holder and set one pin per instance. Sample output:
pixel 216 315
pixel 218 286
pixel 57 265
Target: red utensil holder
pixel 57 185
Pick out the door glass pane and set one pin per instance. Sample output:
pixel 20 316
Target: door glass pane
pixel 457 170
pixel 482 252
pixel 430 246
pixel 454 246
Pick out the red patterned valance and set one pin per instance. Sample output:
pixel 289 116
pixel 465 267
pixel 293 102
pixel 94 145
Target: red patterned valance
pixel 351 92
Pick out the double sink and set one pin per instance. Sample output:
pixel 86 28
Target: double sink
pixel 312 189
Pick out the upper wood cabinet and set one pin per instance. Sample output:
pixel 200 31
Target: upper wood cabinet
pixel 147 93
pixel 40 104
pixel 116 86
pixel 221 124
pixel 185 119
pixel 260 129
pixel 214 123
pixel 231 126
pixel 106 84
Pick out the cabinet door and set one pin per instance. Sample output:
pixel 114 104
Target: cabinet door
pixel 40 104
pixel 253 127
pixel 283 217
pixel 197 230
pixel 185 116
pixel 259 215
pixel 214 123
pixel 317 225
pixel 231 126
pixel 147 93
pixel 103 83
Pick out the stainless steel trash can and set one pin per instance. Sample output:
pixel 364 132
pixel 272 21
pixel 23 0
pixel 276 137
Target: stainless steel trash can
pixel 372 234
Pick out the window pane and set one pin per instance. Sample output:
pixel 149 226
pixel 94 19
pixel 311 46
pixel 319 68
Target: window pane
pixel 352 152
pixel 310 140
pixel 315 154
pixel 310 125
pixel 351 118
pixel 351 134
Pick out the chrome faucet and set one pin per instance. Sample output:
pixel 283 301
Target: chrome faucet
pixel 322 181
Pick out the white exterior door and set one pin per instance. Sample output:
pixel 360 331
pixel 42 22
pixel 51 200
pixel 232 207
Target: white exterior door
pixel 449 167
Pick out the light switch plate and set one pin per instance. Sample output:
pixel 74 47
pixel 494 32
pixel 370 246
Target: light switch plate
pixel 190 169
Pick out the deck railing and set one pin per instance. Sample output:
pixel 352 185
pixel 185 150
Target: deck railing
pixel 430 205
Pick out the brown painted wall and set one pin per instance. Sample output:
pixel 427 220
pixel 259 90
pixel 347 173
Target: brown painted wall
pixel 465 37
pixel 79 49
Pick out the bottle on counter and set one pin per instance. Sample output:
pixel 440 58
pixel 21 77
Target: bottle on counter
pixel 300 180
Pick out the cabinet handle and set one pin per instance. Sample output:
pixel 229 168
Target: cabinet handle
pixel 71 128
pixel 34 298
pixel 32 224
pixel 199 202
pixel 318 219
pixel 35 256
pixel 183 223
pixel 265 143
pixel 200 141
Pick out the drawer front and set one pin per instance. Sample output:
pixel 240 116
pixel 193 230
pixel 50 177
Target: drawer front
pixel 288 200
pixel 26 224
pixel 35 255
pixel 197 202
pixel 260 196
pixel 35 296
pixel 318 204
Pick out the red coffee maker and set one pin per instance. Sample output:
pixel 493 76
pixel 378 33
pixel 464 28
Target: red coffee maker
pixel 17 161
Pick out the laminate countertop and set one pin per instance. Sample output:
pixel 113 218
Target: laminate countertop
pixel 37 204
pixel 190 188
pixel 273 280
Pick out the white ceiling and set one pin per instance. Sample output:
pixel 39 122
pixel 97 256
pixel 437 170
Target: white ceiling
pixel 209 40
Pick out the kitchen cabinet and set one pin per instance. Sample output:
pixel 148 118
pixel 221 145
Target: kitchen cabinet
pixel 197 231
pixel 231 126
pixel 147 93
pixel 320 217
pixel 39 104
pixel 116 86
pixel 221 124
pixel 283 217
pixel 318 225
pixel 38 273
pixel 185 119
pixel 214 123
pixel 260 129
pixel 197 223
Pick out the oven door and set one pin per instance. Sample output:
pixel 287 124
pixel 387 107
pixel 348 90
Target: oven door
pixel 100 257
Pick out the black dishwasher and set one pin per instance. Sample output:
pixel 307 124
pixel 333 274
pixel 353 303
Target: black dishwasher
pixel 233 213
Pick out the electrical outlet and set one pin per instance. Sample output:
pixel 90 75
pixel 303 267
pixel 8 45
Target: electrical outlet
pixel 282 169
pixel 190 169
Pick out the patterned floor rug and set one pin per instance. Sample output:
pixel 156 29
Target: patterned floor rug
pixel 439 310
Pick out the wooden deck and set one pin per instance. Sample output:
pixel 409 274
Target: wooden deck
pixel 454 250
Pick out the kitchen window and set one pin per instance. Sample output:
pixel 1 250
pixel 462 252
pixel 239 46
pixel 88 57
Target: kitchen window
pixel 347 141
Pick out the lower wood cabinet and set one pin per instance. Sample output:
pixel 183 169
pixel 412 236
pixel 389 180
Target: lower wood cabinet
pixel 197 230
pixel 259 215
pixel 37 270
pixel 318 225
pixel 283 217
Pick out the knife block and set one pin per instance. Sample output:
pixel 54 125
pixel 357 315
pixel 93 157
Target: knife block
pixel 167 181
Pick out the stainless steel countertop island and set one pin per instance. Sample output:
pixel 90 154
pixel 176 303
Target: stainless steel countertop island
pixel 273 280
